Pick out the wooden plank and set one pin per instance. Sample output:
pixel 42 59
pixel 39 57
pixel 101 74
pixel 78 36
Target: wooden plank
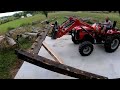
pixel 55 66
pixel 38 43
pixel 52 53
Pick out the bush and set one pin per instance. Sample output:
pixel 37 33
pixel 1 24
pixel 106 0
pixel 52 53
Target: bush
pixel 25 24
pixel 36 22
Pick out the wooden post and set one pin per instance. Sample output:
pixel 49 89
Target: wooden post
pixel 38 43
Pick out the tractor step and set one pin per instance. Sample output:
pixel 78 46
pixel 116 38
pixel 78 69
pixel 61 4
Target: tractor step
pixel 96 42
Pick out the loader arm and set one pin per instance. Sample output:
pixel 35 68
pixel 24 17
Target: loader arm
pixel 69 25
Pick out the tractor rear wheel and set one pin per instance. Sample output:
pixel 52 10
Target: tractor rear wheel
pixel 111 43
pixel 75 41
pixel 86 48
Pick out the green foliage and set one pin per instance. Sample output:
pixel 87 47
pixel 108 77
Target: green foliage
pixel 7 60
pixel 19 22
pixel 7 19
pixel 25 24
pixel 31 12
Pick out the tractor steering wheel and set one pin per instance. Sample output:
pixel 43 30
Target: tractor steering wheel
pixel 100 24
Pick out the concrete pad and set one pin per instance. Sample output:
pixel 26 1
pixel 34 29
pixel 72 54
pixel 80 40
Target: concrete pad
pixel 99 62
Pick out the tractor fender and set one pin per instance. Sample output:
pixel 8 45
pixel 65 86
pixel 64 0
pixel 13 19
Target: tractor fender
pixel 114 34
pixel 110 32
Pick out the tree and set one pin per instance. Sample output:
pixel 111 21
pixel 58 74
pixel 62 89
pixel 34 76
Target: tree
pixel 17 15
pixel 45 13
pixel 31 12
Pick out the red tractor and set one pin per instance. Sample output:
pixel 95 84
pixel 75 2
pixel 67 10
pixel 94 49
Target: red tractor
pixel 86 35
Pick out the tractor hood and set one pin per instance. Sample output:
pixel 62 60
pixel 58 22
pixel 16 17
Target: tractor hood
pixel 78 28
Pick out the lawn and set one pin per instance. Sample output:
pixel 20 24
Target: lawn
pixel 18 22
pixel 8 59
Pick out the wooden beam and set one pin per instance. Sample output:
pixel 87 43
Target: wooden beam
pixel 38 43
pixel 52 53
pixel 55 66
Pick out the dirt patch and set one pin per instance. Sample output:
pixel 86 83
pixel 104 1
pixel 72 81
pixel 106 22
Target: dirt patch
pixel 15 68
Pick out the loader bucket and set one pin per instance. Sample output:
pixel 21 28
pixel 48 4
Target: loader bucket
pixel 54 31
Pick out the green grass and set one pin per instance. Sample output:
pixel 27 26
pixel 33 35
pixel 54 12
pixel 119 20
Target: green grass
pixel 24 43
pixel 8 59
pixel 18 22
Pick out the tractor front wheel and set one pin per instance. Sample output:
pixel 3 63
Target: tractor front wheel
pixel 75 41
pixel 111 43
pixel 86 48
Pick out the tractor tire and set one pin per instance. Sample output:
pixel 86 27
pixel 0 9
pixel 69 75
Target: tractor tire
pixel 75 41
pixel 112 43
pixel 86 48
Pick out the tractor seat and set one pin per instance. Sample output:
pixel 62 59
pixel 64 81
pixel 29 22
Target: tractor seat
pixel 112 27
pixel 114 24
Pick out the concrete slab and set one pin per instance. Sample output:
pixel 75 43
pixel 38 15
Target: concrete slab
pixel 99 62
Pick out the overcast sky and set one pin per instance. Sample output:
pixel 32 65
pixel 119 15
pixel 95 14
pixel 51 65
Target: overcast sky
pixel 8 13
